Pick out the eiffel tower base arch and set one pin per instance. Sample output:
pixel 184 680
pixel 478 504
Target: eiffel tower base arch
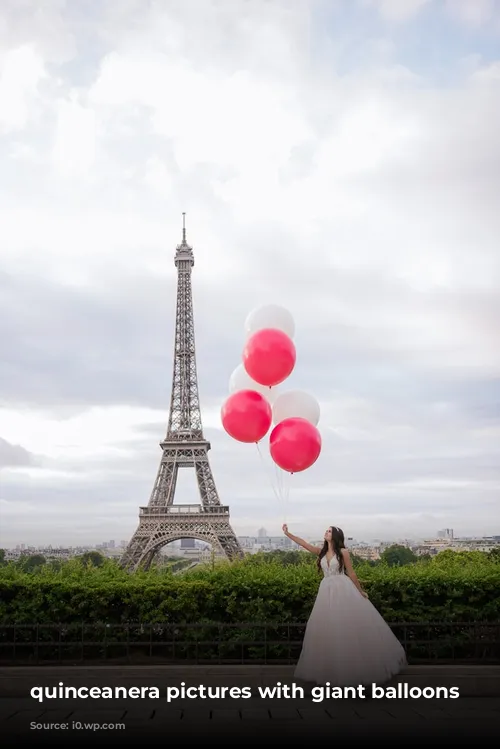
pixel 161 526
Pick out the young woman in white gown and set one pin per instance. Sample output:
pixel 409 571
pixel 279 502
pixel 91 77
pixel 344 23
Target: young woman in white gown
pixel 346 641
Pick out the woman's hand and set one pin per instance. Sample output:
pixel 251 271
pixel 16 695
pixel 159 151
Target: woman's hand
pixel 285 529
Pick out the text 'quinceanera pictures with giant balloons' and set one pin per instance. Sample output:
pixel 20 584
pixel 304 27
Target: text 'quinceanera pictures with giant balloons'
pixel 256 402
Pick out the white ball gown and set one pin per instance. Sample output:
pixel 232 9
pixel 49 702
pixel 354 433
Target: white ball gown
pixel 347 642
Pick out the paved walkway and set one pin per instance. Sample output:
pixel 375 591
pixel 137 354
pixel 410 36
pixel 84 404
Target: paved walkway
pixel 475 712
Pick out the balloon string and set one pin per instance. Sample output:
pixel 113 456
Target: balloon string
pixel 267 472
pixel 285 498
pixel 287 480
pixel 279 480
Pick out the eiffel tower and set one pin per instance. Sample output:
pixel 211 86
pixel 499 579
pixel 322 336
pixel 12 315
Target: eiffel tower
pixel 184 446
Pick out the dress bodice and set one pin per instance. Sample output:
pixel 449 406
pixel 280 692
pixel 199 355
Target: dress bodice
pixel 330 569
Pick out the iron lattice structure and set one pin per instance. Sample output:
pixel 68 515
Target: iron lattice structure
pixel 183 447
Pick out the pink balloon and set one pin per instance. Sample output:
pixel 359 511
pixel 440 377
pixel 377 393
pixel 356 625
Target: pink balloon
pixel 295 444
pixel 246 416
pixel 269 356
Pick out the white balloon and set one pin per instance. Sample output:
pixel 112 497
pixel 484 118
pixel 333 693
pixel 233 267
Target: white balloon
pixel 296 404
pixel 270 316
pixel 241 380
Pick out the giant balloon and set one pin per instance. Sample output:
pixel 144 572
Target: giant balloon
pixel 270 316
pixel 269 356
pixel 296 403
pixel 241 380
pixel 246 416
pixel 295 445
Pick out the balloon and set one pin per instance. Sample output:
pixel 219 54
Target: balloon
pixel 241 380
pixel 246 416
pixel 295 444
pixel 269 356
pixel 296 403
pixel 270 316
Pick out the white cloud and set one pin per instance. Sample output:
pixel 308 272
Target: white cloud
pixel 364 199
pixel 75 138
pixel 397 10
pixel 247 124
pixel 474 13
pixel 21 71
pixel 42 24
pixel 98 431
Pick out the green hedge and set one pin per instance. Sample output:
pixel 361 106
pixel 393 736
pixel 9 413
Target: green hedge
pixel 242 592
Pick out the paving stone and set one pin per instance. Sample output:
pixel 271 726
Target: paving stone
pixel 24 713
pixel 167 716
pixel 6 710
pixel 226 716
pixel 254 714
pixel 284 713
pixel 311 715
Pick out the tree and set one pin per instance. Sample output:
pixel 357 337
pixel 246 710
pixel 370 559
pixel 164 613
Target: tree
pixel 398 556
pixel 285 558
pixel 2 557
pixel 93 558
pixel 361 562
pixel 494 555
pixel 31 562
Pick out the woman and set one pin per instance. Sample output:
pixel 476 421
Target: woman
pixel 346 641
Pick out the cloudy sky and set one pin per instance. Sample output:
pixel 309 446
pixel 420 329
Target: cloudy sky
pixel 339 158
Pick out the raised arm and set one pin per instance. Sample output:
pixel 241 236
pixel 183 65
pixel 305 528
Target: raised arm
pixel 350 572
pixel 300 541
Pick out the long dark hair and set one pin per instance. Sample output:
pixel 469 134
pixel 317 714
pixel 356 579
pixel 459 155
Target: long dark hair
pixel 338 543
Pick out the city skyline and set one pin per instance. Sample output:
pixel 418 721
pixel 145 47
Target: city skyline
pixel 337 159
pixel 262 541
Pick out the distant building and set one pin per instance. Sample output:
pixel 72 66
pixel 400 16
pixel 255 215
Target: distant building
pixel 446 533
pixel 370 553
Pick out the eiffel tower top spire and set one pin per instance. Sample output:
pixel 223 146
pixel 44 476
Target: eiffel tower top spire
pixel 184 251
